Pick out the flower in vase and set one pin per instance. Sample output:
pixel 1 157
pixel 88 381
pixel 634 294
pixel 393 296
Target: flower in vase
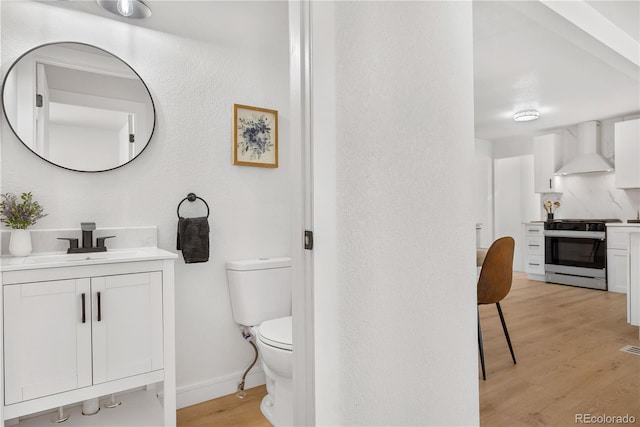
pixel 20 215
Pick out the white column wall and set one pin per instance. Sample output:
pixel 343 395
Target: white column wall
pixel 396 329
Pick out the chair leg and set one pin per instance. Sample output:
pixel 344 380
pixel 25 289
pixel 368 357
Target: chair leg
pixel 506 333
pixel 480 347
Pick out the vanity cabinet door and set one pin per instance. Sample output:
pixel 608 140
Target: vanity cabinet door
pixel 47 346
pixel 127 325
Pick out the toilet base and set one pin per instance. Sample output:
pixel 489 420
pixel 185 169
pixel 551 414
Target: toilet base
pixel 277 405
pixel 266 407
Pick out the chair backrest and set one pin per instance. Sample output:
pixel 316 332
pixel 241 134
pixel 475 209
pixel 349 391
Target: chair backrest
pixel 497 271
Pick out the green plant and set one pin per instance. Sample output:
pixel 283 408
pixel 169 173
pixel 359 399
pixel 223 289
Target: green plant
pixel 20 215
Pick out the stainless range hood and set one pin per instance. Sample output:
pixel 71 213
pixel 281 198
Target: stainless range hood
pixel 589 159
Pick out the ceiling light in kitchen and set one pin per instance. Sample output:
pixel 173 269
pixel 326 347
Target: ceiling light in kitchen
pixel 526 116
pixel 134 9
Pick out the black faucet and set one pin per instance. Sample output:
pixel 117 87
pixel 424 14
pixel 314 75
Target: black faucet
pixel 87 233
pixel 87 229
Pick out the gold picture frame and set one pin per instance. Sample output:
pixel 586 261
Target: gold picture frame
pixel 255 136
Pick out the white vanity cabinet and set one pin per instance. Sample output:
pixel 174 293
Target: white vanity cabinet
pixel 534 250
pixel 547 159
pixel 46 347
pixel 86 330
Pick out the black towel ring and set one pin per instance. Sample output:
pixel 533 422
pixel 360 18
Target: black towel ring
pixel 192 198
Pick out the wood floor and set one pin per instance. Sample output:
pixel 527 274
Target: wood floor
pixel 566 341
pixel 227 411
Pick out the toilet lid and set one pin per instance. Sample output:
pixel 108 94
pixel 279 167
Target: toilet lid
pixel 277 333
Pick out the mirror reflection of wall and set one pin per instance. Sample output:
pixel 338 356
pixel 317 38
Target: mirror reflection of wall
pixel 78 107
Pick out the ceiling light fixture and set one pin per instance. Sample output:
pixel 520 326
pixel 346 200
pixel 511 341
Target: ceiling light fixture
pixel 526 116
pixel 133 9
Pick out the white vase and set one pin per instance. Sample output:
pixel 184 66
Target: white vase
pixel 20 243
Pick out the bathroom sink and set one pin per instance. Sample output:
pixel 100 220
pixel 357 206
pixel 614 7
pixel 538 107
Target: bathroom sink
pixel 63 259
pixel 54 258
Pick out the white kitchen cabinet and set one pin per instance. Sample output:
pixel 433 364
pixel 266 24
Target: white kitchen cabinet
pixel 617 270
pixel 86 330
pixel 617 259
pixel 547 158
pixel 627 154
pixel 534 251
pixel 633 290
pixel 623 265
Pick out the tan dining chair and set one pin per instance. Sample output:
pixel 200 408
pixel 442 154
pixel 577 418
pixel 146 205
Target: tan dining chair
pixel 494 284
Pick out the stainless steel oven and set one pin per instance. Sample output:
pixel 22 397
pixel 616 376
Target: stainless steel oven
pixel 576 253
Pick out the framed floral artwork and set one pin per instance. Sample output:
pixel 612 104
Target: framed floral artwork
pixel 255 136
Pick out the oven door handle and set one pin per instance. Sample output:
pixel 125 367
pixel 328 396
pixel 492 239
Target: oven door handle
pixel 576 234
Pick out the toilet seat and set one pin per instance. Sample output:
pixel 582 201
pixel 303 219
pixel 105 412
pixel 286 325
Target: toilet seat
pixel 277 333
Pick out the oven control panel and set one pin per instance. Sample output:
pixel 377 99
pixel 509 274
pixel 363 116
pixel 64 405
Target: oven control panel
pixel 574 226
pixel 584 225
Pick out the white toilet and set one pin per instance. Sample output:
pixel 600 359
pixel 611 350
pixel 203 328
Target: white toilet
pixel 260 291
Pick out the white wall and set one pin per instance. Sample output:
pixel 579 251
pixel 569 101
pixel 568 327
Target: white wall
pixel 515 202
pixel 69 146
pixel 505 148
pixel 403 305
pixel 483 190
pixel 194 85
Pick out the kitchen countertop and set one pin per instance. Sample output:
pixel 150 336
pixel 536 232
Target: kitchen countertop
pixel 623 224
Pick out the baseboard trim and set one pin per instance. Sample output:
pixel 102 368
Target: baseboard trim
pixel 194 393
pixel 620 290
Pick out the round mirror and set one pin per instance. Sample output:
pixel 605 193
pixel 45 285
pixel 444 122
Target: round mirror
pixel 78 106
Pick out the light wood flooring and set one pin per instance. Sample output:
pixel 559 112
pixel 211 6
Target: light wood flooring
pixel 227 411
pixel 566 341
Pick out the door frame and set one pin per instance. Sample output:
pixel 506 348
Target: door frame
pixel 302 212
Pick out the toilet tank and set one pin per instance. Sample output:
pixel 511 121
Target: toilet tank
pixel 260 289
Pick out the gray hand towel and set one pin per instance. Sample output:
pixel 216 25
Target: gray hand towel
pixel 193 239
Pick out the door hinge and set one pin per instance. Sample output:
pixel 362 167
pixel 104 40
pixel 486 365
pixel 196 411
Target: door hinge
pixel 308 239
pixel 39 101
pixel 132 138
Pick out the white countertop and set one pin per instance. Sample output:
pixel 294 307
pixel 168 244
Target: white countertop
pixel 623 224
pixel 62 259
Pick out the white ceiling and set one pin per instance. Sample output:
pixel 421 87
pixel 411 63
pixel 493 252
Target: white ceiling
pixel 525 56
pixel 261 22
